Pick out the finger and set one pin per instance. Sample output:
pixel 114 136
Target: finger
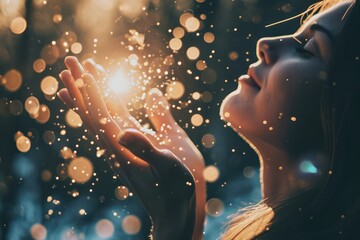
pixel 73 64
pixel 74 92
pixel 158 111
pixel 90 66
pixel 65 97
pixel 93 98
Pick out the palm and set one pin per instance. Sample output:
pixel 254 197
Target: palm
pixel 167 135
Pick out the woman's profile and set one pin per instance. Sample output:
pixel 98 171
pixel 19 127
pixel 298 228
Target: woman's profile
pixel 304 86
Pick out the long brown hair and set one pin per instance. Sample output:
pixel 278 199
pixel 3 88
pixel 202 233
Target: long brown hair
pixel 335 210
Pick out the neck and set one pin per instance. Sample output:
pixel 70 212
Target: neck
pixel 281 176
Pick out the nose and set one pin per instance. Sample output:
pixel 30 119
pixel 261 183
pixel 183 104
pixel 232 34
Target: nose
pixel 267 50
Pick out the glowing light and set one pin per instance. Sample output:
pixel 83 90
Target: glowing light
pixel 209 37
pixel 50 53
pixel 196 95
pixel 43 114
pixel 119 83
pixel 104 228
pixel 233 56
pixel 23 144
pixel 132 9
pixel 201 65
pixel 175 90
pixel 308 167
pixel 39 65
pixel 214 207
pixel 193 53
pixel 57 18
pixel 122 192
pixel 197 120
pixel 192 24
pixel 73 119
pixel 131 224
pixel 46 175
pixel 18 25
pixel 38 231
pixel 66 153
pixel 293 119
pixel 76 48
pixel 32 105
pixel 49 85
pixel 185 16
pixel 208 140
pixel 13 80
pixel 175 44
pixel 211 173
pixel 178 32
pixel 133 59
pixel 80 169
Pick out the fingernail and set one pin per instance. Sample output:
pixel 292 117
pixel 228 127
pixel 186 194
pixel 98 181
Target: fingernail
pixel 121 139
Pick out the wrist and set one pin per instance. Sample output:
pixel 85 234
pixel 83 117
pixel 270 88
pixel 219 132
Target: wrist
pixel 178 223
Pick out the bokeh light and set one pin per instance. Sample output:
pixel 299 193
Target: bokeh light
pixel 49 85
pixel 18 25
pixel 38 231
pixel 122 192
pixel 175 90
pixel 119 82
pixel 211 173
pixel 80 169
pixel 104 228
pixel 23 144
pixel 214 207
pixel 13 80
pixel 73 119
pixel 131 224
pixel 39 65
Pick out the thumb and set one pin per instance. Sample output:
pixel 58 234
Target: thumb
pixel 158 111
pixel 141 146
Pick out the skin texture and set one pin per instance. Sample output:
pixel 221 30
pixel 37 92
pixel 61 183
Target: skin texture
pixel 279 104
pixel 163 168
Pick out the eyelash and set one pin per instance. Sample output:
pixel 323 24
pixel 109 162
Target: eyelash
pixel 301 49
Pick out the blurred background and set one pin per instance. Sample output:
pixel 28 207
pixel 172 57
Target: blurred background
pixel 54 180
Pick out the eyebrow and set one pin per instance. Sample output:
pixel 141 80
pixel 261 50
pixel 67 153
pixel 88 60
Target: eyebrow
pixel 317 27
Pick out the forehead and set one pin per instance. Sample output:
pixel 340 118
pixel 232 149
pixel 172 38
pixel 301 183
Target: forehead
pixel 332 19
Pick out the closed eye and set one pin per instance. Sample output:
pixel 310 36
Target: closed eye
pixel 308 50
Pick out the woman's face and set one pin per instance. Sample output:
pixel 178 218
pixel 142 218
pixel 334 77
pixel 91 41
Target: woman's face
pixel 278 102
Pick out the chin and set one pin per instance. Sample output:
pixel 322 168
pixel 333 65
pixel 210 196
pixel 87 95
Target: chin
pixel 228 107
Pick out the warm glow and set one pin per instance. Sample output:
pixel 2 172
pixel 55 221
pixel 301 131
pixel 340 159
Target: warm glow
pixel 12 80
pixel 80 169
pixel 49 85
pixel 18 25
pixel 73 119
pixel 119 83
pixel 211 173
pixel 39 65
pixel 175 90
pixel 122 192
pixel 175 44
pixel 23 144
pixel 131 224
pixel 193 53
pixel 104 228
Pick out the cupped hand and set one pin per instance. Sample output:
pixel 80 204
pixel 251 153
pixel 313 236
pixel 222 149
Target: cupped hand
pixel 162 167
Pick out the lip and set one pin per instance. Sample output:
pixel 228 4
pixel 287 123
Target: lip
pixel 253 76
pixel 246 79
